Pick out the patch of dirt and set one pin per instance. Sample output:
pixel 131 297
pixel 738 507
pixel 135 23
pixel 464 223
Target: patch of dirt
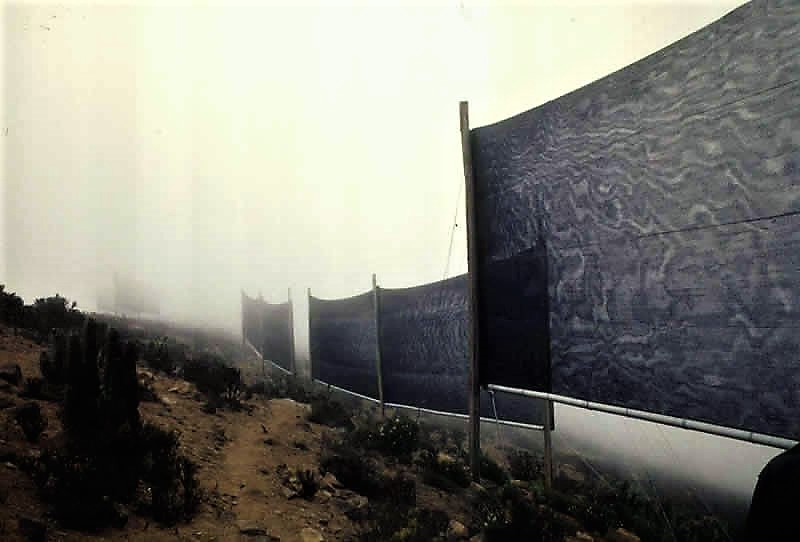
pixel 237 469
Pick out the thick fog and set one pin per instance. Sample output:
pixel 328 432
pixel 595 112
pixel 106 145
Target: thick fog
pixel 204 150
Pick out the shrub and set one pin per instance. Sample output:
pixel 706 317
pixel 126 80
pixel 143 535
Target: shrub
pixel 326 411
pixel 157 355
pixel 387 523
pixel 53 312
pixel 492 471
pixel 174 491
pixel 142 466
pixel 29 418
pixel 510 514
pixel 443 471
pixel 309 484
pixel 398 436
pixel 62 475
pixel 221 384
pixel 362 474
pixel 11 307
pixel 525 466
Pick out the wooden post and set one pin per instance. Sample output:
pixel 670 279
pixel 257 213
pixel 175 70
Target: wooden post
pixel 548 444
pixel 310 351
pixel 291 334
pixel 376 297
pixel 474 336
pixel 241 302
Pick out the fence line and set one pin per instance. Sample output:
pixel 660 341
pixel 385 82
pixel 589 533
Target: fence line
pixel 683 423
pixel 429 410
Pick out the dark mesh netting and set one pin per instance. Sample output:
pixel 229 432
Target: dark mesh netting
pixel 343 343
pixel 658 208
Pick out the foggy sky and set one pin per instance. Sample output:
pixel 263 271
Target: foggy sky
pixel 208 149
pixel 263 147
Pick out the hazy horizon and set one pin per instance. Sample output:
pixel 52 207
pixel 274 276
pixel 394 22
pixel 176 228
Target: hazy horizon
pixel 204 150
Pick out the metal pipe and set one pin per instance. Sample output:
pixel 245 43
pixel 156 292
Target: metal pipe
pixel 337 388
pixel 683 423
pixel 257 353
pixel 466 416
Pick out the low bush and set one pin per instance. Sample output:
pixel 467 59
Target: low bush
pixel 362 474
pixel 221 384
pixel 326 411
pixel 309 483
pixel 492 471
pixel 396 437
pixel 387 523
pixel 283 386
pixel 443 471
pixel 158 355
pixel 142 468
pixel 510 514
pixel 173 488
pixel 525 466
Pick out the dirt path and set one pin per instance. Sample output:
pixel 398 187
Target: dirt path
pixel 276 433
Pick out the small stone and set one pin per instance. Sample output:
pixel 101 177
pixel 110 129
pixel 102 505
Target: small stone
pixel 477 488
pixel 311 535
pixel 622 535
pixel 289 493
pixel 10 465
pixel 329 481
pixel 251 528
pixel 457 531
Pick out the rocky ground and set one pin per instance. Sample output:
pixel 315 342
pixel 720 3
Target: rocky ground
pixel 250 462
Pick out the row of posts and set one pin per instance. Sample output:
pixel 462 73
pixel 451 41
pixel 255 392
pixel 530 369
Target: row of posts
pixel 474 336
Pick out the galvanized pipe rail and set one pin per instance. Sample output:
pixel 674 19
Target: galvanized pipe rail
pixel 683 423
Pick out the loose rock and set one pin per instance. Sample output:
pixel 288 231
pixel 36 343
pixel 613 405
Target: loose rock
pixel 311 535
pixel 251 528
pixel 457 531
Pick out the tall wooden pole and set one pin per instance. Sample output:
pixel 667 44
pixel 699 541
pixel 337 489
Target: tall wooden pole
pixel 310 351
pixel 474 335
pixel 291 335
pixel 376 304
pixel 241 302
pixel 548 444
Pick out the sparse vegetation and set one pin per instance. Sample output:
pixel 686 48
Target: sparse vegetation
pixel 221 384
pixel 326 411
pixel 120 465
pixel 443 471
pixel 309 483
pixel 106 456
pixel 525 466
pixel 387 523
